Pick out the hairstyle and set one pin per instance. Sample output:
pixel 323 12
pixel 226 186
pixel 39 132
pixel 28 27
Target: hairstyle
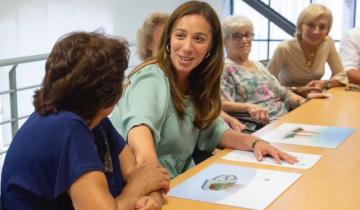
pixel 145 33
pixel 235 22
pixel 310 14
pixel 83 74
pixel 204 80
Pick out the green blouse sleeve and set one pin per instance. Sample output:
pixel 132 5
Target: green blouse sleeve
pixel 210 137
pixel 144 102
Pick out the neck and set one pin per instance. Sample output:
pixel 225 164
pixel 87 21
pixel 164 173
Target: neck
pixel 240 59
pixel 308 47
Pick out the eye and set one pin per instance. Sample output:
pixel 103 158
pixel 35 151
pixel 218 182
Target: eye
pixel 323 27
pixel 311 25
pixel 180 35
pixel 199 38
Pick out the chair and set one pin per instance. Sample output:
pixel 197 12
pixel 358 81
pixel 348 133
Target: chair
pixel 245 118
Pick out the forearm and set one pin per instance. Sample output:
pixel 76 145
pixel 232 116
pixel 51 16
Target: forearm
pixel 295 100
pixel 353 76
pixel 141 143
pixel 236 140
pixel 230 106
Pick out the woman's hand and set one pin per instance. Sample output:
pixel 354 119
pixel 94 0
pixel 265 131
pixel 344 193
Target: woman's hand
pixel 258 113
pixel 235 124
pixel 317 95
pixel 319 84
pixel 305 90
pixel 148 177
pixel 147 203
pixel 262 148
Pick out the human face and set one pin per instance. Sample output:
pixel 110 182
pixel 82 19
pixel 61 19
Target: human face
pixel 238 45
pixel 313 33
pixel 189 43
pixel 158 29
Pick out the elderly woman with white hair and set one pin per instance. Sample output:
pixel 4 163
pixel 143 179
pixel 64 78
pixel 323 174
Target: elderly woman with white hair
pixel 246 85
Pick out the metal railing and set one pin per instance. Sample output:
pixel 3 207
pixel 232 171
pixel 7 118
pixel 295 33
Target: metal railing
pixel 13 89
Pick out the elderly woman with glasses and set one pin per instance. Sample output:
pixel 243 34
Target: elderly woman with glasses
pixel 246 85
pixel 300 62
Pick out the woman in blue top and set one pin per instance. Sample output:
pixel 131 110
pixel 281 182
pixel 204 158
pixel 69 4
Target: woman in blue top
pixel 68 155
pixel 172 103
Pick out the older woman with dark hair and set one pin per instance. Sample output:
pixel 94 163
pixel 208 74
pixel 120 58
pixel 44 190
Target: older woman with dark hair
pixel 246 85
pixel 172 103
pixel 299 63
pixel 67 155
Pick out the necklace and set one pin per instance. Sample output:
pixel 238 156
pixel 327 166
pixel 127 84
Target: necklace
pixel 309 56
pixel 310 59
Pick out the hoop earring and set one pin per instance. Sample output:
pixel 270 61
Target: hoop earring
pixel 168 48
pixel 207 55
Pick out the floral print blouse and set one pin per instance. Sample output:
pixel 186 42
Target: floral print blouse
pixel 261 88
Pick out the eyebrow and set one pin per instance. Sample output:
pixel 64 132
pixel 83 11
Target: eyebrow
pixel 197 33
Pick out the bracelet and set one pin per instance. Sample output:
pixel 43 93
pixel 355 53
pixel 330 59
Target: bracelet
pixel 328 84
pixel 256 141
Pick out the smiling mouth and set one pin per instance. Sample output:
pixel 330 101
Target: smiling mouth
pixel 185 58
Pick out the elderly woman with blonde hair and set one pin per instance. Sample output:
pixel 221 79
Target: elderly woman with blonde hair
pixel 149 34
pixel 300 62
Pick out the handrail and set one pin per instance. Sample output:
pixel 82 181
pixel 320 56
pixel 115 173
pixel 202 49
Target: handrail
pixel 25 59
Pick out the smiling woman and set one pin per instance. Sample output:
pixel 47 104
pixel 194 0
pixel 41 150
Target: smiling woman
pixel 173 102
pixel 300 62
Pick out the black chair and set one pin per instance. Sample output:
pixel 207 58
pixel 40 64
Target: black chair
pixel 245 118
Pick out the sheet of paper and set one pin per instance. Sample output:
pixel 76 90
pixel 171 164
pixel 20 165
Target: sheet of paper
pixel 235 186
pixel 305 160
pixel 311 135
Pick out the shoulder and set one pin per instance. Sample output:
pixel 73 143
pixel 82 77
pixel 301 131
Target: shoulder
pixel 152 71
pixel 230 66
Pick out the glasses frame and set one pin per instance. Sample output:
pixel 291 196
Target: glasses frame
pixel 237 36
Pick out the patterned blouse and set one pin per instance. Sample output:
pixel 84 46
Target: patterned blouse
pixel 260 88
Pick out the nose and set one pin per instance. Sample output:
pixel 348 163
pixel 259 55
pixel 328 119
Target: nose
pixel 188 44
pixel 316 30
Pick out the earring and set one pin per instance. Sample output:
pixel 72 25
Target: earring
pixel 207 55
pixel 168 48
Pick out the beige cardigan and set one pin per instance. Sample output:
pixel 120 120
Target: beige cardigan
pixel 288 63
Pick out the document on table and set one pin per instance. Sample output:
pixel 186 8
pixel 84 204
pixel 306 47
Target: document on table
pixel 305 160
pixel 310 135
pixel 235 186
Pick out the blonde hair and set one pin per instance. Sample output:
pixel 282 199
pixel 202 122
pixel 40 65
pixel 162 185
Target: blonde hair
pixel 310 14
pixel 233 22
pixel 145 33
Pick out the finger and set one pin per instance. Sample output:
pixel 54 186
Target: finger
pixel 258 155
pixel 288 158
pixel 275 154
pixel 141 203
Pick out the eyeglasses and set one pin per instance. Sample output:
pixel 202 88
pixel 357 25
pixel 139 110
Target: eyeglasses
pixel 237 36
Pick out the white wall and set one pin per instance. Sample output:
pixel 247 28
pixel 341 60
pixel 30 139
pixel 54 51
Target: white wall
pixel 30 27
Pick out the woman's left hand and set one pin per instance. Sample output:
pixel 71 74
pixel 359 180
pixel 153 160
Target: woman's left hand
pixel 147 203
pixel 262 148
pixel 320 84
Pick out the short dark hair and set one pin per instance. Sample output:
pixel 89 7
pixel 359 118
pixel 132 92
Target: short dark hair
pixel 83 74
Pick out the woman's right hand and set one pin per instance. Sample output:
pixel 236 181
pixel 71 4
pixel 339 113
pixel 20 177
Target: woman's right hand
pixel 258 113
pixel 148 177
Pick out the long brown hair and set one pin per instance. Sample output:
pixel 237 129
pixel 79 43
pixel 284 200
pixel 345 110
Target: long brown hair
pixel 204 80
pixel 84 73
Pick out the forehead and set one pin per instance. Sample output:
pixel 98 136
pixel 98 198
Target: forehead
pixel 322 19
pixel 242 29
pixel 193 23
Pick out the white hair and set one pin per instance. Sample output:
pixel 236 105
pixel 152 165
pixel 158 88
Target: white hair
pixel 233 22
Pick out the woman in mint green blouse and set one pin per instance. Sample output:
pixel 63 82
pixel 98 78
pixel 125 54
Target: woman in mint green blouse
pixel 171 104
